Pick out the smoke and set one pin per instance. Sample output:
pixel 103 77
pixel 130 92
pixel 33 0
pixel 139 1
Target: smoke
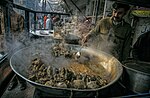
pixel 25 39
pixel 98 43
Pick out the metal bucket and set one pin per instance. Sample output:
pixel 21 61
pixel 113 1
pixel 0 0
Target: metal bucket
pixel 136 76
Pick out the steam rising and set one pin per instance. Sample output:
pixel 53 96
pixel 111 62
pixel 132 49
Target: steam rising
pixel 97 43
pixel 25 39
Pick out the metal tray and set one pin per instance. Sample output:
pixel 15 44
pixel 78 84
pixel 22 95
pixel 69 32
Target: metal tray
pixel 42 32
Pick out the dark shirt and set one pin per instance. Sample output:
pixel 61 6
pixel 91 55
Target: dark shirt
pixel 141 49
pixel 119 34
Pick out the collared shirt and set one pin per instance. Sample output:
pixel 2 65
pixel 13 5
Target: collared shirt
pixel 118 23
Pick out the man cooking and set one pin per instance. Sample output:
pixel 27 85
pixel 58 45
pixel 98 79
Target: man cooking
pixel 17 27
pixel 114 30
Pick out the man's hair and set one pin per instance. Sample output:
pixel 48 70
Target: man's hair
pixel 118 5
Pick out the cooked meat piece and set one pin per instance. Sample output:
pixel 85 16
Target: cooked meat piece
pixel 61 84
pixel 49 83
pixel 79 84
pixel 92 84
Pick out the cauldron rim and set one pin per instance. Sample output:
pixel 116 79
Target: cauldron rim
pixel 125 65
pixel 70 89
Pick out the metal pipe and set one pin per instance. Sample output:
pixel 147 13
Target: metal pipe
pixel 97 9
pixel 78 9
pixel 34 22
pixel 50 6
pixel 23 8
pixel 27 21
pixel 7 19
pixel 104 8
pixel 68 7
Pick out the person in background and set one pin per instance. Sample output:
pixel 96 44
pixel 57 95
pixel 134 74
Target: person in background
pixel 45 18
pixel 48 22
pixel 17 23
pixel 56 20
pixel 141 48
pixel 40 22
pixel 17 27
pixel 114 30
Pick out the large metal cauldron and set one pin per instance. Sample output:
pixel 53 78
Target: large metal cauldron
pixel 136 76
pixel 21 60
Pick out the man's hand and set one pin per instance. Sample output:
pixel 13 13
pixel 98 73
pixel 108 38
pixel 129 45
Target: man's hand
pixel 86 38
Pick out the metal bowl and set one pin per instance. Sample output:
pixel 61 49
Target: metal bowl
pixel 136 71
pixel 72 39
pixel 21 60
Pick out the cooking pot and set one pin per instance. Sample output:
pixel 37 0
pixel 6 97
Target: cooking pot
pixel 21 60
pixel 72 39
pixel 136 76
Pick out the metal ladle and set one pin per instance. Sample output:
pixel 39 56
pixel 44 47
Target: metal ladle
pixel 78 53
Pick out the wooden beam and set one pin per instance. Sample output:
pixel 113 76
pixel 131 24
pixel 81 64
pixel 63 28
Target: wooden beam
pixel 6 75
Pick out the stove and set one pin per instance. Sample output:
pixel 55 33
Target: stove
pixel 116 90
pixel 40 94
pixel 72 94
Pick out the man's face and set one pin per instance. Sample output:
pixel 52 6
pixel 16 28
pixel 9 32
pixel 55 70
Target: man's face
pixel 118 14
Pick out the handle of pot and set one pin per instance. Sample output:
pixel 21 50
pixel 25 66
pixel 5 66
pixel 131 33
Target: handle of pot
pixel 130 59
pixel 71 94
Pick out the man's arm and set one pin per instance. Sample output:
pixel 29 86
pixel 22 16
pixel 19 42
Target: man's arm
pixel 95 31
